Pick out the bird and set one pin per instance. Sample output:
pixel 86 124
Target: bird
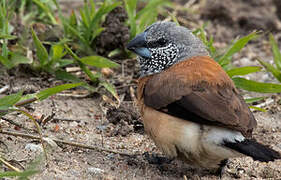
pixel 189 106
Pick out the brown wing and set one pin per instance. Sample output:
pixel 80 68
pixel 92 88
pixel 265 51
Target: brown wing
pixel 198 90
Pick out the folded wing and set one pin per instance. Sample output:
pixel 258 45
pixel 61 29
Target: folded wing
pixel 199 90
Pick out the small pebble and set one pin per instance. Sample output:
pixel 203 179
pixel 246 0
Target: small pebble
pixel 33 147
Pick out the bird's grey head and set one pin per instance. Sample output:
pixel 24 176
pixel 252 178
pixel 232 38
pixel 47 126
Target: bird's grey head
pixel 163 44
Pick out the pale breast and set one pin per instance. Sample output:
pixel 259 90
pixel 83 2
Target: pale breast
pixel 170 133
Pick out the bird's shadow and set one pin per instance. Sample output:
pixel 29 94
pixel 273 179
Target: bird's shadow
pixel 159 164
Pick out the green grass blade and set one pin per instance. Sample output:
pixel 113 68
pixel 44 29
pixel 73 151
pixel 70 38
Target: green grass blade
pixel 255 99
pixel 63 75
pixel 152 5
pixel 86 70
pixel 276 52
pixel 10 100
pixel 243 70
pixel 84 18
pixel 87 13
pixel 18 174
pixel 110 7
pixel 114 52
pixel 75 32
pixel 96 33
pixel 7 102
pixel 7 36
pixel 200 32
pixel 41 51
pixel 130 6
pixel 97 16
pixel 57 51
pixel 276 73
pixel 53 90
pixel 236 47
pixel 73 19
pixel 257 108
pixel 5 49
pixel 93 8
pixel 17 58
pixel 47 10
pixel 174 18
pixel 65 62
pixel 111 89
pixel 146 19
pixel 211 47
pixel 28 98
pixel 6 62
pixel 104 9
pixel 86 21
pixel 254 86
pixel 148 15
pixel 133 28
pixel 98 61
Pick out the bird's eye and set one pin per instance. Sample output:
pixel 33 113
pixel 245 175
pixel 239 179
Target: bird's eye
pixel 158 43
pixel 161 41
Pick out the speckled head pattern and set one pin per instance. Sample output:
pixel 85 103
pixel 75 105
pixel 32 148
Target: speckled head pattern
pixel 163 44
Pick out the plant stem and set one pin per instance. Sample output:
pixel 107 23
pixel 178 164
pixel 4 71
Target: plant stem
pixel 82 66
pixel 9 165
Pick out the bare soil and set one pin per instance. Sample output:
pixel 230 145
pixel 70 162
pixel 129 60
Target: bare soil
pixel 91 121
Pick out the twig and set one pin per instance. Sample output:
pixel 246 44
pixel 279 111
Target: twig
pixel 47 119
pixel 99 149
pixel 9 165
pixel 66 119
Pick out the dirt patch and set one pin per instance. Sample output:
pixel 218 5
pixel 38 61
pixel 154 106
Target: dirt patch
pixel 125 120
pixel 116 33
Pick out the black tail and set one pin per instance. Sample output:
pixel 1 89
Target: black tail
pixel 257 151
